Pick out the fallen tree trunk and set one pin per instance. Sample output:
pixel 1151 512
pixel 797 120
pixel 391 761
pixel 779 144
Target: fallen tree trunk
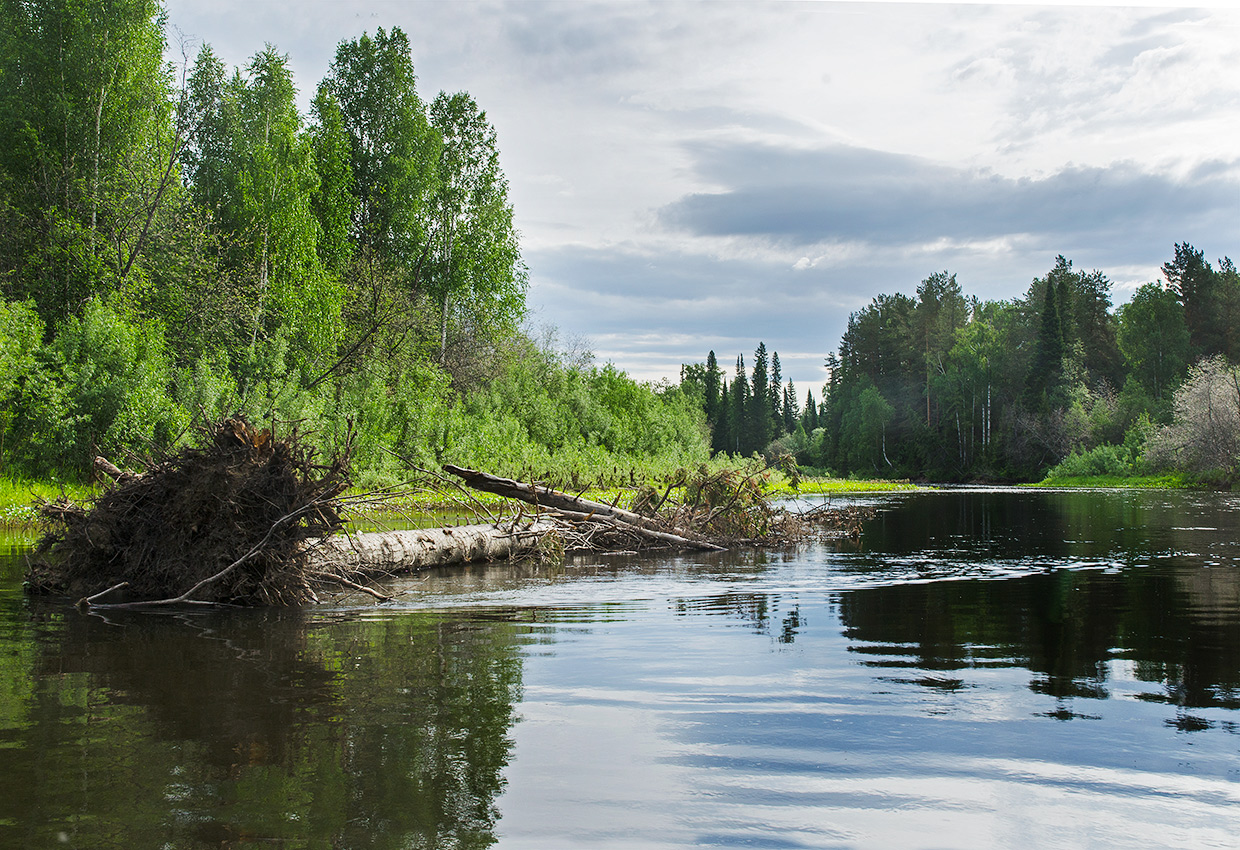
pixel 577 508
pixel 347 561
pixel 390 552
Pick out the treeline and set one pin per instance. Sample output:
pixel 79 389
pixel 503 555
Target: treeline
pixel 181 242
pixel 754 409
pixel 942 386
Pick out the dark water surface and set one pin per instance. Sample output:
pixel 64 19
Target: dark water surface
pixel 989 669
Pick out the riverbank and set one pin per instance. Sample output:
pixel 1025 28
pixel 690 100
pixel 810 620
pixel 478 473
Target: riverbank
pixel 18 496
pixel 1167 481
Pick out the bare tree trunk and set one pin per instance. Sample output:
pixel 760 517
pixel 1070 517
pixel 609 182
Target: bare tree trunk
pixel 377 553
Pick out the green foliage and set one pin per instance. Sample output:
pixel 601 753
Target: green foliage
pixel 1098 461
pixel 1153 336
pixel 545 417
pixel 474 257
pixel 102 387
pixel 21 333
pixel 86 146
pixel 394 149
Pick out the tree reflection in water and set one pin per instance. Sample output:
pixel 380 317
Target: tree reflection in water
pixel 218 729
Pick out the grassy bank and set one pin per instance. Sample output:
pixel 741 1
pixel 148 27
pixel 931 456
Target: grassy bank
pixel 18 495
pixel 844 486
pixel 1168 481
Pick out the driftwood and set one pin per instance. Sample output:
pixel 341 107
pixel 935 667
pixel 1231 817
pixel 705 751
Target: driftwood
pixel 391 552
pixel 584 510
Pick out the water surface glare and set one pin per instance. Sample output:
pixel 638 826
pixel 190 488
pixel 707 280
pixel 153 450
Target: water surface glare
pixel 989 668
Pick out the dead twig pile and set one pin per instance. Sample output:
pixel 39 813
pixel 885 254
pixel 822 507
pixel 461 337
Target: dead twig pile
pixel 225 522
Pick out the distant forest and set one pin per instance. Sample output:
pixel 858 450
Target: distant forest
pixel 942 386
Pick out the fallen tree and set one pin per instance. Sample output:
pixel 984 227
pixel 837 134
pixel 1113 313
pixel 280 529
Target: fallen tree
pixel 702 510
pixel 353 559
pixel 249 519
pixel 579 510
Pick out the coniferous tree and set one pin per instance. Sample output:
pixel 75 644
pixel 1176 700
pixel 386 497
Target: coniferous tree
pixel 737 427
pixel 758 413
pixel 939 312
pixel 775 400
pixel 1192 279
pixel 710 393
pixel 789 409
pixel 1046 373
pixel 809 416
pixel 721 436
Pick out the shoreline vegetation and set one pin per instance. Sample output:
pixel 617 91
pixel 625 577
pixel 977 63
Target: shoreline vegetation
pixel 19 499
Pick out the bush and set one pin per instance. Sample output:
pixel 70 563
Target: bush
pixel 1100 460
pixel 101 387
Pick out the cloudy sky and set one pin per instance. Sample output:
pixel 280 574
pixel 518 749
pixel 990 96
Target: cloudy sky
pixel 697 176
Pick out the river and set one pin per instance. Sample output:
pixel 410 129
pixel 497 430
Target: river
pixel 986 668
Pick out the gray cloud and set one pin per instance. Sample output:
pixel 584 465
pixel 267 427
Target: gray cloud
pixel 843 194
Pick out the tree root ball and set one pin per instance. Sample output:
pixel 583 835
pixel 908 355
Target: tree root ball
pixel 191 515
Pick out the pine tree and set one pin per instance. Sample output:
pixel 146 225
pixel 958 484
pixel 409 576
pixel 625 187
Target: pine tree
pixel 1192 279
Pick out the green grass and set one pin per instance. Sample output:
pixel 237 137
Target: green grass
pixel 1168 481
pixel 835 486
pixel 17 498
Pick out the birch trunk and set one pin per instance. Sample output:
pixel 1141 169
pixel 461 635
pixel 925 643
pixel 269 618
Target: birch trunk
pixel 376 553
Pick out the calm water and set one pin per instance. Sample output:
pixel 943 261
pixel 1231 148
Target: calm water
pixel 988 669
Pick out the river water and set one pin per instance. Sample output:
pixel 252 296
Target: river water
pixel 1016 669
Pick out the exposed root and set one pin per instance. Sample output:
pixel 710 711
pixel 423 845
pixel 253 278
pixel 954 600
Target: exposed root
pixel 224 522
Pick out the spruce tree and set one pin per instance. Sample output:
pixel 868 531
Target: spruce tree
pixel 1046 374
pixel 809 416
pixel 775 399
pixel 758 413
pixel 740 405
pixel 710 401
pixel 721 436
pixel 790 408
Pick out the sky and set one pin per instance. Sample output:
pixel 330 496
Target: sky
pixel 689 177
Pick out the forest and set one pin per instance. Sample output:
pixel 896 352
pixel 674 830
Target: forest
pixel 181 244
pixel 941 386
